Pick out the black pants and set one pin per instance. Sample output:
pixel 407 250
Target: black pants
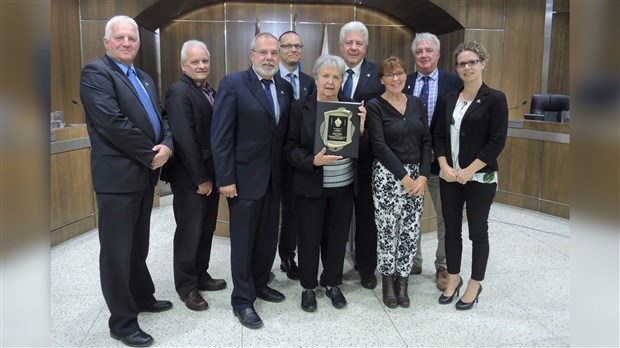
pixel 195 216
pixel 365 229
pixel 253 244
pixel 124 228
pixel 324 224
pixel 289 227
pixel 478 197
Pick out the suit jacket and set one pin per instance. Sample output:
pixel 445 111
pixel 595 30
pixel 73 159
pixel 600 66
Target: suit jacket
pixel 446 82
pixel 245 139
pixel 306 85
pixel 483 129
pixel 189 114
pixel 121 134
pixel 368 84
pixel 299 148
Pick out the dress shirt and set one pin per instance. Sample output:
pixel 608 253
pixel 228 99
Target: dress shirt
pixel 433 88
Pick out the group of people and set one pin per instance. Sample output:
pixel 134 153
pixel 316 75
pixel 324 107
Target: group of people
pixel 253 143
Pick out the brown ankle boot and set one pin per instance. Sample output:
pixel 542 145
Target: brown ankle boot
pixel 389 296
pixel 401 291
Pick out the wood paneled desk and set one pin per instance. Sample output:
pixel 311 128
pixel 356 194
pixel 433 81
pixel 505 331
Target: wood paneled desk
pixel 534 168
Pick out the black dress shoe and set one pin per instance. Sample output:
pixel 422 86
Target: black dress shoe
pixel 337 297
pixel 289 266
pixel 308 300
pixel 462 306
pixel 207 283
pixel 157 306
pixel 195 301
pixel 136 339
pixel 369 281
pixel 443 299
pixel 248 318
pixel 270 295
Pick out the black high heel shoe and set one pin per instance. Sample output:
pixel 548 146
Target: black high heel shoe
pixel 448 299
pixel 460 305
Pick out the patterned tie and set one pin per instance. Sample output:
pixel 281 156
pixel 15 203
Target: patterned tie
pixel 146 102
pixel 424 92
pixel 291 79
pixel 267 89
pixel 348 84
pixel 208 91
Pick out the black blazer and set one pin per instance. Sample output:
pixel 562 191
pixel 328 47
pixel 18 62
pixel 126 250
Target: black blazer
pixel 245 139
pixel 189 113
pixel 120 132
pixel 368 84
pixel 299 148
pixel 307 85
pixel 483 129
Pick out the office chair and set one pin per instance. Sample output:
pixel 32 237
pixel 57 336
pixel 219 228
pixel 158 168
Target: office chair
pixel 550 105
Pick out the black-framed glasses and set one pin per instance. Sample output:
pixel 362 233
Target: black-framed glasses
pixel 397 74
pixel 472 63
pixel 289 46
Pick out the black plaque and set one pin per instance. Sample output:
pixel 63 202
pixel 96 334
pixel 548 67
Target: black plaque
pixel 337 128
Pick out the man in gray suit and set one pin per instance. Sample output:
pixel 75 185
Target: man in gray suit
pixel 303 85
pixel 130 142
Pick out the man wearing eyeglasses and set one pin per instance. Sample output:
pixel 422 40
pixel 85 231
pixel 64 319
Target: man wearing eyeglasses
pixel 250 120
pixel 430 84
pixel 303 85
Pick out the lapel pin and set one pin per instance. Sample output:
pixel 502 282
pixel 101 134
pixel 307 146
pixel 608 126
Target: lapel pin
pixel 367 75
pixel 478 101
pixel 146 84
pixel 282 92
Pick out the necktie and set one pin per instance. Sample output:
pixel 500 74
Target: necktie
pixel 424 93
pixel 208 91
pixel 291 79
pixel 146 102
pixel 348 84
pixel 267 89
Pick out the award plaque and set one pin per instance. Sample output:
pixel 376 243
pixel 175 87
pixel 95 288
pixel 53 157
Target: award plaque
pixel 337 128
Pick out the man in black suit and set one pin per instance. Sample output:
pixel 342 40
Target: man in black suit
pixel 362 84
pixel 303 84
pixel 189 107
pixel 250 120
pixel 130 142
pixel 425 49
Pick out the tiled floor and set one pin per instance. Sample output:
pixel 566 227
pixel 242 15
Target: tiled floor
pixel 525 301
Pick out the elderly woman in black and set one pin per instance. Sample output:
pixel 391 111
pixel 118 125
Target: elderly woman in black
pixel 324 185
pixel 401 142
pixel 469 136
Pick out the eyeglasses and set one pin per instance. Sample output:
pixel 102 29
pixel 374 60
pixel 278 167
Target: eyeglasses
pixel 472 63
pixel 263 53
pixel 289 46
pixel 396 74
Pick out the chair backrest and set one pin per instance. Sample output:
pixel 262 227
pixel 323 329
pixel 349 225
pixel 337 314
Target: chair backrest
pixel 550 105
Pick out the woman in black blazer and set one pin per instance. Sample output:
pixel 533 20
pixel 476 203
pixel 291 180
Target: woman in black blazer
pixel 324 185
pixel 471 132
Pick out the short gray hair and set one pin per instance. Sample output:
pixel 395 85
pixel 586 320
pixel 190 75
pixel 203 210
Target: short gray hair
pixel 354 26
pixel 331 60
pixel 419 37
pixel 117 20
pixel 253 43
pixel 189 43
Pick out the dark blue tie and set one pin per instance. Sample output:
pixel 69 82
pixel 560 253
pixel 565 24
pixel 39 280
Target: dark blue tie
pixel 348 84
pixel 146 102
pixel 424 92
pixel 267 84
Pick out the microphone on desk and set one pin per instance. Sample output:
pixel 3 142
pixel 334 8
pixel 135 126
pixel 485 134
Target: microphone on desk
pixel 76 103
pixel 518 106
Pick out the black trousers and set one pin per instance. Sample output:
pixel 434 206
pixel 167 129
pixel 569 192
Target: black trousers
pixel 365 229
pixel 324 224
pixel 124 228
pixel 478 197
pixel 253 244
pixel 289 226
pixel 195 216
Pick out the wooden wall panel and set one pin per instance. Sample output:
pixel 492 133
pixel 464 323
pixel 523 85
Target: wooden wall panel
pixel 65 60
pixel 555 171
pixel 249 11
pixel 337 14
pixel 522 53
pixel 92 40
pixel 492 40
pixel 484 14
pixel 559 70
pixel 104 10
pixel 448 44
pixel 517 155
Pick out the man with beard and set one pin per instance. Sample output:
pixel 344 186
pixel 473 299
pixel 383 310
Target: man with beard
pixel 250 120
